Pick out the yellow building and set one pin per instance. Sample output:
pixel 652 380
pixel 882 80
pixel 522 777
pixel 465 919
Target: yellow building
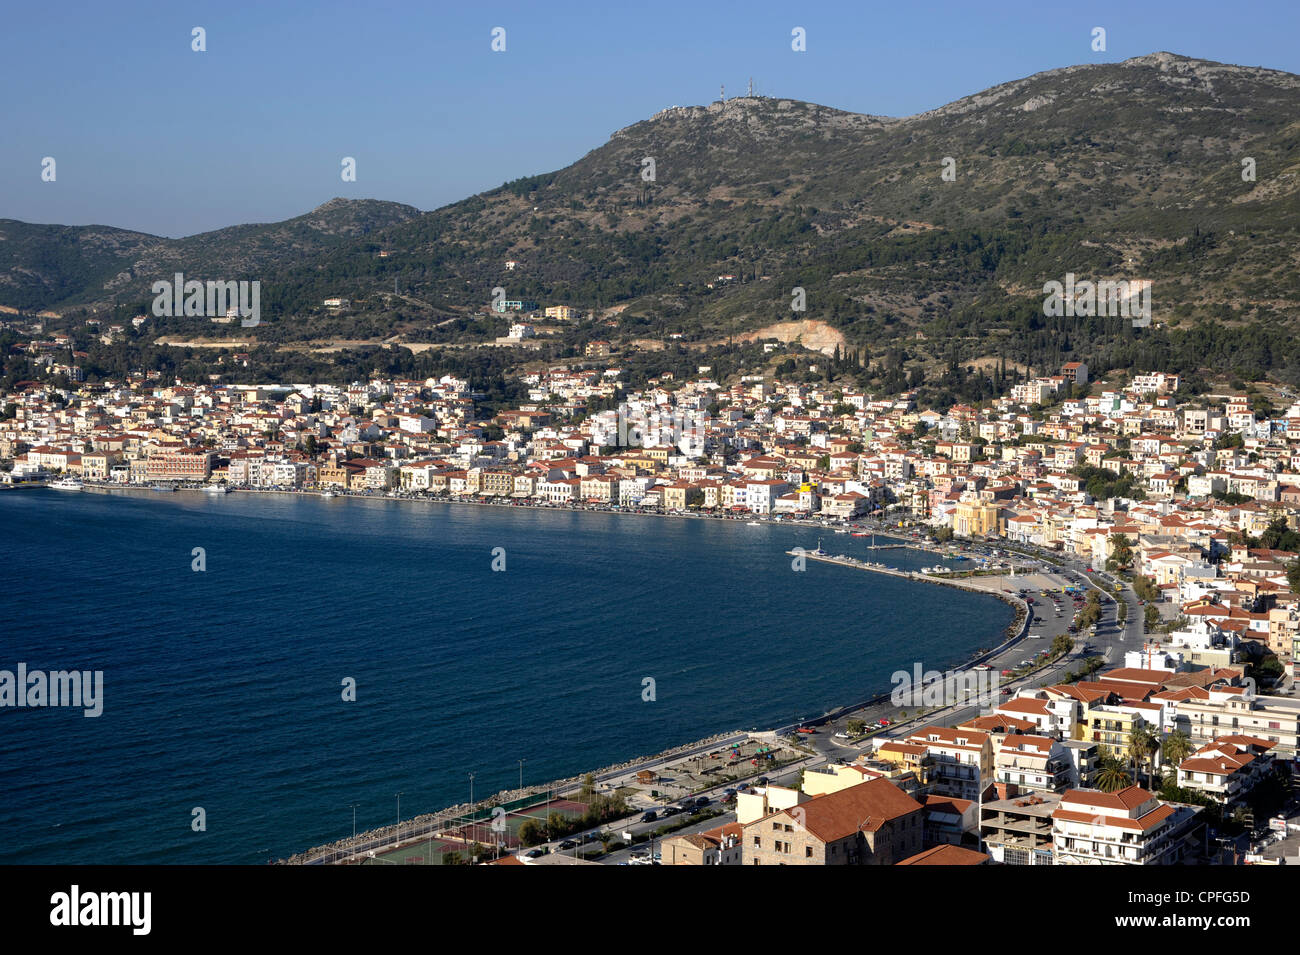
pixel 499 483
pixel 831 779
pixel 976 519
pixel 908 757
pixel 1109 725
pixel 682 495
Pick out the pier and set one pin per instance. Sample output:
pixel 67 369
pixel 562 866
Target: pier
pixel 961 583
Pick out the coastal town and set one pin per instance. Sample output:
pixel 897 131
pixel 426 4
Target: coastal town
pixel 1163 516
pixel 693 436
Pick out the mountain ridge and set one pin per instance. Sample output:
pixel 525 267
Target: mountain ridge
pixel 1117 170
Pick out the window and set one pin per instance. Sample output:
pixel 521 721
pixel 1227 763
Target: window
pixel 758 843
pixel 807 852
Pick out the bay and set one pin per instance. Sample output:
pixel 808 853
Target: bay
pixel 223 688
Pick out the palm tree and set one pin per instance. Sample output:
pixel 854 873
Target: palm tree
pixel 1142 744
pixel 1111 776
pixel 1177 747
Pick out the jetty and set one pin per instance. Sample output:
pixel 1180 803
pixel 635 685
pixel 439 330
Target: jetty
pixel 844 560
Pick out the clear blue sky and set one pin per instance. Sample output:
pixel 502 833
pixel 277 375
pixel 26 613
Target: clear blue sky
pixel 149 135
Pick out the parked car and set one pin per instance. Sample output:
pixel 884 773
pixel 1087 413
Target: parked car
pixel 649 816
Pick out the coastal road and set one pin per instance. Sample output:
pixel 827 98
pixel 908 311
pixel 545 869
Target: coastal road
pixel 1109 641
pixel 622 856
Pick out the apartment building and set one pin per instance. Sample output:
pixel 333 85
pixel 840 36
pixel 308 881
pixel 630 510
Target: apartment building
pixel 180 464
pixel 1110 725
pixel 961 761
pixel 1234 710
pixel 496 483
pixel 1128 827
pixel 1033 763
pixel 1016 828
pixel 1227 769
pixel 949 821
pixel 872 823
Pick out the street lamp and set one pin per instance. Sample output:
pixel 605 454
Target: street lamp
pixel 471 805
pixel 521 774
pixel 399 808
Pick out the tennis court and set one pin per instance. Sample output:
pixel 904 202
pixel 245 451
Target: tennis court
pixel 487 832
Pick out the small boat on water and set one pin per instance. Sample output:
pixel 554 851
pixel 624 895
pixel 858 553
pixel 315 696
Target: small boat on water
pixel 328 494
pixel 163 487
pixel 66 484
pixel 217 489
pixel 754 524
pixel 861 534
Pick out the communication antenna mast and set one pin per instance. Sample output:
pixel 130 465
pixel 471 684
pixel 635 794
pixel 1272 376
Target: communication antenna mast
pixel 722 91
pixel 751 87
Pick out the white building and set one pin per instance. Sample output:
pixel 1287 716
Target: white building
pixel 1129 827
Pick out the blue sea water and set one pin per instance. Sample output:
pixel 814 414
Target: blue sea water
pixel 223 688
